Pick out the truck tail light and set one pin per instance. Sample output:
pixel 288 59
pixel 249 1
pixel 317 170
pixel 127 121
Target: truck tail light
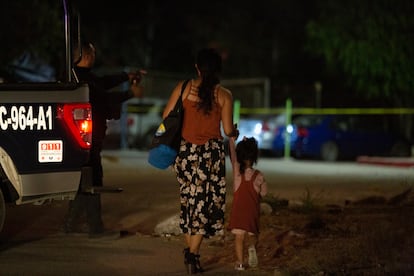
pixel 78 119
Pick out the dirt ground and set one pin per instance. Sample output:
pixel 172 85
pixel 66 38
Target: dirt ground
pixel 371 236
pixel 347 222
pixel 343 225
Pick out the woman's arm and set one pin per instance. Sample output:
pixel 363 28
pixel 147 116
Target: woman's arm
pixel 232 149
pixel 172 100
pixel 235 165
pixel 226 101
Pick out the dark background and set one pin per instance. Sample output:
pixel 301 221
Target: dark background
pixel 359 51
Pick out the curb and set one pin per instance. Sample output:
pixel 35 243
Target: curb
pixel 404 162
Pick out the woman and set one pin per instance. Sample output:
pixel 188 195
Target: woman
pixel 200 164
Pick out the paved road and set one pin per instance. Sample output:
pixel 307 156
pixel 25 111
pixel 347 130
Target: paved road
pixel 32 243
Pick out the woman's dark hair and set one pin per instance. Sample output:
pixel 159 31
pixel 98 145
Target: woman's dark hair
pixel 209 63
pixel 247 152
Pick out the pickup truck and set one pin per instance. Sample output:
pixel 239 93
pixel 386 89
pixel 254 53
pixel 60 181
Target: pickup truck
pixel 45 132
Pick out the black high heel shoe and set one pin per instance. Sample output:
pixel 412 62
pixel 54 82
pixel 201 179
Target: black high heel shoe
pixel 193 266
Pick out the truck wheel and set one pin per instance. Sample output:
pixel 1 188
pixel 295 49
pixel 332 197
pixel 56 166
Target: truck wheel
pixel 2 210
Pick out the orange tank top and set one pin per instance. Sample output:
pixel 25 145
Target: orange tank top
pixel 198 127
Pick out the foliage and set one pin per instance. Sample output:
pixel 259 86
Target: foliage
pixel 370 42
pixel 310 201
pixel 275 202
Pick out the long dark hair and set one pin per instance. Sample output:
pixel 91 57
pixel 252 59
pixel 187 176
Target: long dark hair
pixel 247 153
pixel 209 63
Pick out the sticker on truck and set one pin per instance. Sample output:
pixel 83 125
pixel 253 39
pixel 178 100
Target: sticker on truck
pixel 26 117
pixel 50 151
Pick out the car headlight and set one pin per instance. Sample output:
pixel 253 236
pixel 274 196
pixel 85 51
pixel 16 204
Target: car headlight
pixel 257 128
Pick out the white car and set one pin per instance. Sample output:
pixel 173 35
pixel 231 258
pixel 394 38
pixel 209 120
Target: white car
pixel 268 132
pixel 140 118
pixel 248 127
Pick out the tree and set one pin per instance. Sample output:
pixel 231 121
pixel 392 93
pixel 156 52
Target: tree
pixel 370 42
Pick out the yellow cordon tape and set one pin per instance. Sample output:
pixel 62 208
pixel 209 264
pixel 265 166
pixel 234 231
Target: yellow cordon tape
pixel 289 111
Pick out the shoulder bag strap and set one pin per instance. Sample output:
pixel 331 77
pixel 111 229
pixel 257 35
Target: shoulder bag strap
pixel 183 88
pixel 179 103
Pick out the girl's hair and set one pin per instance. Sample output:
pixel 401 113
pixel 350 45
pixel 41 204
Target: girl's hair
pixel 247 153
pixel 209 63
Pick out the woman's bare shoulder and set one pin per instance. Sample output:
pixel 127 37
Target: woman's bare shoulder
pixel 224 90
pixel 224 94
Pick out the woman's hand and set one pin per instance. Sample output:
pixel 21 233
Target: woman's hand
pixel 235 133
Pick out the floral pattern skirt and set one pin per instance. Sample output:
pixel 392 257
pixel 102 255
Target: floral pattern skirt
pixel 201 171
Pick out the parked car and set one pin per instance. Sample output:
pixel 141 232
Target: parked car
pixel 267 132
pixel 247 126
pixel 334 137
pixel 139 120
pixel 261 127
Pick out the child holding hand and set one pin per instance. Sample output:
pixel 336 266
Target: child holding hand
pixel 249 186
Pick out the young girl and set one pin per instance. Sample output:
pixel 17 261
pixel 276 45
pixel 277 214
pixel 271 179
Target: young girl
pixel 249 186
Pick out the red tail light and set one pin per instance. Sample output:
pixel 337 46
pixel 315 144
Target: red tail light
pixel 265 126
pixel 302 132
pixel 78 119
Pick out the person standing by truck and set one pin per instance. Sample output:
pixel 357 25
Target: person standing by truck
pixel 105 105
